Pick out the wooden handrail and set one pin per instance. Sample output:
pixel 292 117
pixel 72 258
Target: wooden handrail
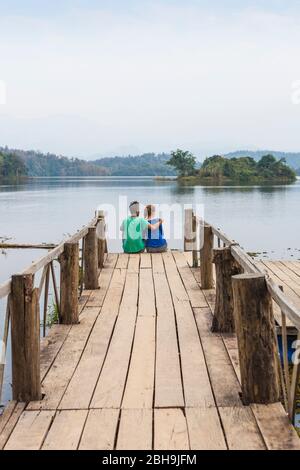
pixel 222 236
pixel 285 304
pixel 5 288
pixel 21 293
pixel 288 310
pixel 246 262
pixel 250 267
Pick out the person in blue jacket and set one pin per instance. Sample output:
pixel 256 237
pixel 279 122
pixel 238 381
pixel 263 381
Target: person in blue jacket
pixel 155 241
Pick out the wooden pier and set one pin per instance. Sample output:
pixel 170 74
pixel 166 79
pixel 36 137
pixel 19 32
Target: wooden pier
pixel 142 368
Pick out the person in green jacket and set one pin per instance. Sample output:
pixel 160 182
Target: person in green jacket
pixel 134 229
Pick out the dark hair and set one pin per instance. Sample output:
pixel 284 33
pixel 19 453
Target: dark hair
pixel 149 210
pixel 134 208
pixel 133 203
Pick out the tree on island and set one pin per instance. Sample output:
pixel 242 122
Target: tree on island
pixel 183 161
pixel 246 169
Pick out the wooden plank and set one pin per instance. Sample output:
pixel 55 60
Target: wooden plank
pixel 146 261
pixel 157 263
pixel 293 266
pixel 210 296
pixel 110 261
pixel 110 387
pixel 230 342
pixel 122 262
pixel 140 382
pixel 134 263
pixel 177 288
pixel 278 270
pixel 135 431
pixel 66 430
pixel 81 387
pixel 58 377
pixel 276 308
pixel 146 294
pixel 196 383
pixel 83 300
pixel 6 414
pixel 97 296
pixel 11 423
pixel 274 425
pixel 241 429
pixel 51 345
pixel 286 304
pixel 100 430
pixel 189 257
pixel 197 274
pixel 193 290
pixel 203 318
pixel 289 272
pixel 214 350
pixel 170 430
pixel 290 286
pixel 30 431
pixel 168 385
pixel 289 278
pixel 205 429
pixel 225 385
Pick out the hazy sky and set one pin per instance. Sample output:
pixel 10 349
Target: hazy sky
pixel 87 77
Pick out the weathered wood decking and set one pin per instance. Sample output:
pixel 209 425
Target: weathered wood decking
pixel 142 370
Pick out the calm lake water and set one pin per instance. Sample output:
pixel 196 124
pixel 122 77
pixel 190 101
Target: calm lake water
pixel 264 219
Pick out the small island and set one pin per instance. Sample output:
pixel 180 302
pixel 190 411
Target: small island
pixel 221 170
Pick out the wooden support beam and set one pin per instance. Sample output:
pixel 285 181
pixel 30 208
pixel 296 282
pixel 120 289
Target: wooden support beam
pixel 226 267
pixel 38 246
pixel 69 284
pixel 206 257
pixel 91 260
pixel 254 321
pixel 25 339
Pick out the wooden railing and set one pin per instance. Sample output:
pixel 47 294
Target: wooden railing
pixel 244 304
pixel 79 267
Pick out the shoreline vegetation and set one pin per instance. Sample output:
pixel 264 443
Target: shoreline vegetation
pixel 236 170
pixel 18 166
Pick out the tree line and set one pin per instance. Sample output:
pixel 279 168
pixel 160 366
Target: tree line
pixel 33 163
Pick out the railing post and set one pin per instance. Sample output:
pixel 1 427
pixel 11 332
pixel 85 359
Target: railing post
pixel 101 238
pixel 25 339
pixel 206 257
pixel 254 321
pixel 226 267
pixel 91 260
pixel 69 284
pixel 195 251
pixel 188 229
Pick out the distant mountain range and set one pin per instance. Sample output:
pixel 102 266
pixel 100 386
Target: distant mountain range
pixel 292 159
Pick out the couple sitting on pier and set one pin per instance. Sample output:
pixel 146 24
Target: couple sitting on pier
pixel 140 233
